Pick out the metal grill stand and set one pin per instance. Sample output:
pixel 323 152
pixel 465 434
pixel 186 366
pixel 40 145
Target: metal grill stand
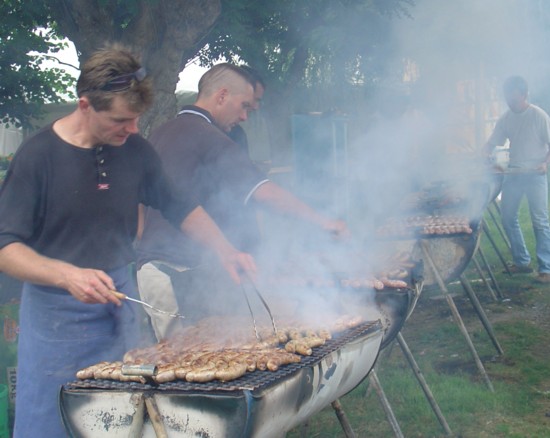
pixel 456 314
pixel 480 312
pixel 375 383
pixel 390 416
pixel 495 247
pixel 343 419
pixel 373 380
pixel 423 384
pixel 491 286
pixel 497 222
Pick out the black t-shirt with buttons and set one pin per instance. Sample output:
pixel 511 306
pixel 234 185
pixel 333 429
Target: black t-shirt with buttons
pixel 80 205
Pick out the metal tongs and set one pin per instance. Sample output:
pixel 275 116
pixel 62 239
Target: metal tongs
pixel 122 296
pixel 266 306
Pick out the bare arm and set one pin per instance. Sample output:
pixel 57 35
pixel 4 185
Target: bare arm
pixel 200 227
pixel 543 168
pixel 141 219
pixel 283 201
pixel 86 285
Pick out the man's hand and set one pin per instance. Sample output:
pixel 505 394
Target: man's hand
pixel 86 285
pixel 543 168
pixel 236 262
pixel 201 228
pixel 337 228
pixel 90 286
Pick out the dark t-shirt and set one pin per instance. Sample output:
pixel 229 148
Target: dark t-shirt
pixel 199 156
pixel 238 135
pixel 80 205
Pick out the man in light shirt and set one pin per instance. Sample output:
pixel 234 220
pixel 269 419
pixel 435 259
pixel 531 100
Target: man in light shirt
pixel 527 128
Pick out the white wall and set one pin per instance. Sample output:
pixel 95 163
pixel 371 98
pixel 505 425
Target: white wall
pixel 10 139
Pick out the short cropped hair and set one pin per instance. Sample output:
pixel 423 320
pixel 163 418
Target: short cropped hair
pixel 224 75
pixel 515 83
pixel 256 77
pixel 105 65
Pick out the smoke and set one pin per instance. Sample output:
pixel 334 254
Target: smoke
pixel 480 43
pixel 427 129
pixel 432 125
pixel 460 40
pixel 408 136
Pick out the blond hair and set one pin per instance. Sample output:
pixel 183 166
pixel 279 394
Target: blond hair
pixel 105 65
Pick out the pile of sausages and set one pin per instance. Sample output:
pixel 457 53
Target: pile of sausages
pixel 204 352
pixel 425 225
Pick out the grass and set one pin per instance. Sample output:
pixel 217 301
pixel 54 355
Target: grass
pixel 520 404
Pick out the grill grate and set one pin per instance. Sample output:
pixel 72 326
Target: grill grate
pixel 419 233
pixel 250 381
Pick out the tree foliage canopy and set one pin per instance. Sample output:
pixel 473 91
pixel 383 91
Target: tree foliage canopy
pixel 309 45
pixel 160 31
pixel 24 45
pixel 315 55
pixel 311 49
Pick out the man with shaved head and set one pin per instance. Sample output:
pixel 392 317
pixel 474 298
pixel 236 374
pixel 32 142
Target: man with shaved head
pixel 199 156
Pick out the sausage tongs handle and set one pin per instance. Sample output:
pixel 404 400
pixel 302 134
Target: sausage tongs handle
pixel 122 296
pixel 251 313
pixel 264 302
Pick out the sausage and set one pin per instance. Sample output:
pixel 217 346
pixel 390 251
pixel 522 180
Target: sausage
pixel 298 346
pixel 166 373
pixel 105 371
pixel 201 375
pixel 88 372
pixel 233 371
pixel 313 341
pixel 396 284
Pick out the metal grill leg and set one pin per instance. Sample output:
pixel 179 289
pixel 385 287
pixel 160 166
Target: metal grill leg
pixel 342 417
pixel 155 417
pixel 498 226
pixel 480 312
pixel 490 272
pixel 456 316
pixel 423 384
pixel 373 378
pixel 484 279
pixel 481 274
pixel 495 247
pixel 304 429
pixel 138 401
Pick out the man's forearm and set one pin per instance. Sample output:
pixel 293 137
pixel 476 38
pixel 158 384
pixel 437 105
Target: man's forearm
pixel 201 227
pixel 22 262
pixel 282 201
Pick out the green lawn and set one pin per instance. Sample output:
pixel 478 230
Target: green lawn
pixel 520 404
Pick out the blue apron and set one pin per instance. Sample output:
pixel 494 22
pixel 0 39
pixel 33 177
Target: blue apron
pixel 58 336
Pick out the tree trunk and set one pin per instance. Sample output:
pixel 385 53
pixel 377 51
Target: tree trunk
pixel 160 32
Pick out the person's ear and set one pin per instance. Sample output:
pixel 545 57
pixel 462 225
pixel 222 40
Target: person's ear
pixel 84 104
pixel 222 96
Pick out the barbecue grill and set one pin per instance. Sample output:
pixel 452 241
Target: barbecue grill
pixel 259 404
pixel 447 249
pixel 452 244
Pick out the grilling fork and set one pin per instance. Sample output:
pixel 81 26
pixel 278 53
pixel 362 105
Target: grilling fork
pixel 251 313
pixel 122 296
pixel 264 302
